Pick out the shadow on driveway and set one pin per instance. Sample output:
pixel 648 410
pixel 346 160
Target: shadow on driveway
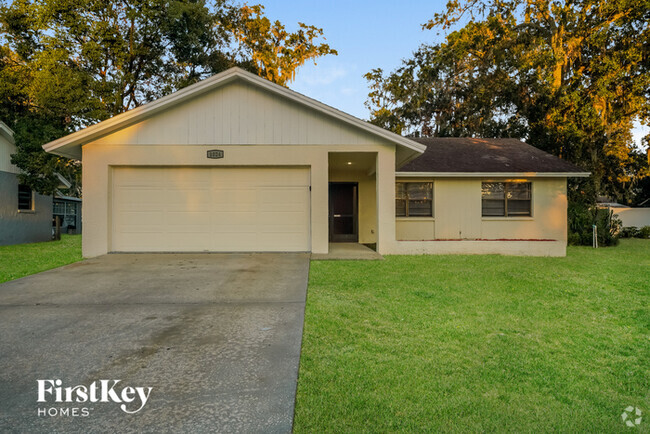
pixel 217 337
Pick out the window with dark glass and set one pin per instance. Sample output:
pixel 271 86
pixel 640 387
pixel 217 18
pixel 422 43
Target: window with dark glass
pixel 506 199
pixel 24 197
pixel 414 199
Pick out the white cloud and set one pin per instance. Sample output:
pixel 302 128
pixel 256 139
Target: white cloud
pixel 319 75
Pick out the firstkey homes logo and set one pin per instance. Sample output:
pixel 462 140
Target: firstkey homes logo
pixel 77 399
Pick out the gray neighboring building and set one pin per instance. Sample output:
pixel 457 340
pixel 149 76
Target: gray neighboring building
pixel 25 217
pixel 68 209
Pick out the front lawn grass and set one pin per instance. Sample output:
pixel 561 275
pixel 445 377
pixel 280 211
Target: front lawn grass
pixel 478 343
pixel 22 260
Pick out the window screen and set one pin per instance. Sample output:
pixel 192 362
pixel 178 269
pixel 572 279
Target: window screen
pixel 414 199
pixel 506 199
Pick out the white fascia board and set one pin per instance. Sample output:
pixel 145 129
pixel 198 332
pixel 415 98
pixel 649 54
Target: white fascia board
pixel 492 174
pixel 7 132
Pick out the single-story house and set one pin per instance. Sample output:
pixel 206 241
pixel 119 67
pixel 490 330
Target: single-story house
pixel 25 216
pixel 68 210
pixel 236 163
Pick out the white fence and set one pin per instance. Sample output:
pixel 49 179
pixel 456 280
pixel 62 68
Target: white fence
pixel 637 217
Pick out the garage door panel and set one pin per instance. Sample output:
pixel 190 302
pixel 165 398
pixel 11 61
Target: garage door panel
pixel 187 196
pixel 225 221
pixel 293 243
pixel 140 219
pixel 210 209
pixel 238 242
pixel 137 197
pixel 198 220
pixel 235 199
pixel 186 242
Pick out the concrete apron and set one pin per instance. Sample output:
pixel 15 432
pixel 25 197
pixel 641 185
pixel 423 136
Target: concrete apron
pixel 217 337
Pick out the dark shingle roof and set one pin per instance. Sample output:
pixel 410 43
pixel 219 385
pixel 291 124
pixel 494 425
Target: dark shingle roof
pixel 466 154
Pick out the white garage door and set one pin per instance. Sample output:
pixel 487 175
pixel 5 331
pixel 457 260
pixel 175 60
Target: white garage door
pixel 183 209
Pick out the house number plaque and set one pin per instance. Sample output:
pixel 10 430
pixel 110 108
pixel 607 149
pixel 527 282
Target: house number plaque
pixel 215 153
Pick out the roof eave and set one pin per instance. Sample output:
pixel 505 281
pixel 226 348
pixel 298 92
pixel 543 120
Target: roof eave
pixel 493 174
pixel 7 132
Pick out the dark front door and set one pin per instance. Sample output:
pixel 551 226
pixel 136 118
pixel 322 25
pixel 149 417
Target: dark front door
pixel 344 224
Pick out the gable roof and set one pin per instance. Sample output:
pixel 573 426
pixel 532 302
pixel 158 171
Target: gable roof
pixel 69 146
pixel 466 156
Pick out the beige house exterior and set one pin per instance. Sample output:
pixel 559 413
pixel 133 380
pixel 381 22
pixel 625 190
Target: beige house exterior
pixel 236 163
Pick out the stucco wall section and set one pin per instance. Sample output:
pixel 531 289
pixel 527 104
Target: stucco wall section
pixel 458 227
pixel 468 247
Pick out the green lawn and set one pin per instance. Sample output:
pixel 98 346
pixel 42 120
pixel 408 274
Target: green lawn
pixel 478 343
pixel 24 259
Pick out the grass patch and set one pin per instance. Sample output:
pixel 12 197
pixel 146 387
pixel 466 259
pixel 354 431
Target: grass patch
pixel 477 343
pixel 24 259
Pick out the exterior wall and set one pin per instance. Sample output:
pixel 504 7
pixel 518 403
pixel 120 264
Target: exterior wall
pixel 253 128
pixel 458 227
pixel 637 217
pixel 468 247
pixel 367 201
pixel 99 160
pixel 18 227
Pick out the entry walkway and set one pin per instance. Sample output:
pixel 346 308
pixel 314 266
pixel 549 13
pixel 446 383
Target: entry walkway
pixel 347 251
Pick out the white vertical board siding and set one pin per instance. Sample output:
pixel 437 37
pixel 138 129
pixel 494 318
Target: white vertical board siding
pixel 192 209
pixel 239 114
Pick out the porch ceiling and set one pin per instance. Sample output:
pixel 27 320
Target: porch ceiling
pixel 357 161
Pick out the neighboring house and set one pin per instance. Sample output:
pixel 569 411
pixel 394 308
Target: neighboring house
pixel 68 209
pixel 630 217
pixel 25 217
pixel 237 163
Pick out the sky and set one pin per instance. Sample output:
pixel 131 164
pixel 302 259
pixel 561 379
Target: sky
pixel 367 35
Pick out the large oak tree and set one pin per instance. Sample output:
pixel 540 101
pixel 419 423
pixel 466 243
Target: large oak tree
pixel 66 64
pixel 568 76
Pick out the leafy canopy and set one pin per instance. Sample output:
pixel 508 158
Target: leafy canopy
pixel 570 77
pixel 66 64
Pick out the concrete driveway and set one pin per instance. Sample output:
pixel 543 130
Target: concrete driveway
pixel 216 336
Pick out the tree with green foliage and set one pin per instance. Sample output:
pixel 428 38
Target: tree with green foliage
pixel 66 64
pixel 569 77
